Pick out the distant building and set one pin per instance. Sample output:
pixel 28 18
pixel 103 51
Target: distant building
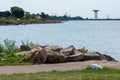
pixel 5 13
pixel 96 14
pixel 38 17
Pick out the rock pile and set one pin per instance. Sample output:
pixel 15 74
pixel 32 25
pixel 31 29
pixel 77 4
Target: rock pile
pixel 56 54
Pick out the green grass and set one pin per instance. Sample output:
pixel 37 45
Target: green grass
pixel 87 74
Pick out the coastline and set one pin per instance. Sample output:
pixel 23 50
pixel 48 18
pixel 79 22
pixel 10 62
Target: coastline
pixel 25 22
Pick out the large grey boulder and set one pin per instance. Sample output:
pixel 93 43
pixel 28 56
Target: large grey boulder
pixel 68 51
pixel 37 55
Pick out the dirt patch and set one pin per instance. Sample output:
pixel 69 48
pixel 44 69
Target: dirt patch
pixel 58 67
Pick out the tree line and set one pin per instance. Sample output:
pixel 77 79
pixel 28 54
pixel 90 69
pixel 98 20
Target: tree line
pixel 19 13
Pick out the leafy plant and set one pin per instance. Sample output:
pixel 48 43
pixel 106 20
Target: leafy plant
pixel 1 48
pixel 13 58
pixel 29 44
pixel 17 12
pixel 83 50
pixel 10 46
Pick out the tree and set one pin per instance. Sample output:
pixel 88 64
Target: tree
pixel 17 12
pixel 44 16
pixel 27 15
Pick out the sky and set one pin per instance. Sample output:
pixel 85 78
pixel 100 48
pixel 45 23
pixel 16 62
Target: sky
pixel 81 8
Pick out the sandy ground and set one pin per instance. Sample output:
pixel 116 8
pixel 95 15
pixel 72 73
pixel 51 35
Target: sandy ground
pixel 58 67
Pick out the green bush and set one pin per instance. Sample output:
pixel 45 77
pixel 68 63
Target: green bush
pixel 10 46
pixel 29 44
pixel 13 58
pixel 1 48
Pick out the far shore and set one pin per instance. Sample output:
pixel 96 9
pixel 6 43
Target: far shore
pixel 24 22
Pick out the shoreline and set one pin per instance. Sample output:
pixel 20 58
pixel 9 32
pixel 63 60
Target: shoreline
pixel 26 22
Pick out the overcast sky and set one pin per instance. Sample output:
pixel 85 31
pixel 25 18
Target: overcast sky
pixel 71 7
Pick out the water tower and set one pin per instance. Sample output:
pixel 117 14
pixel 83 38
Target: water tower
pixel 96 14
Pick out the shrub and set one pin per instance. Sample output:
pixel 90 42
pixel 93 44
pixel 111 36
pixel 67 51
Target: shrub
pixel 83 50
pixel 13 58
pixel 1 48
pixel 29 44
pixel 10 46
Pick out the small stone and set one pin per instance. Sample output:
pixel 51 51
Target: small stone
pixel 96 66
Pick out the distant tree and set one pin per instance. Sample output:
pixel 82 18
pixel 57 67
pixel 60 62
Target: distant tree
pixel 33 16
pixel 38 14
pixel 65 17
pixel 17 12
pixel 44 16
pixel 27 15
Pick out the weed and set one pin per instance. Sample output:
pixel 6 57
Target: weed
pixel 83 50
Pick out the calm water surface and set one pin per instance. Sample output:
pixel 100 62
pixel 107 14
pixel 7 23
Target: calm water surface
pixel 101 36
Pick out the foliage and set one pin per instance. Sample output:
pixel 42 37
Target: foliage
pixel 10 57
pixel 30 44
pixel 17 12
pixel 87 74
pixel 65 17
pixel 1 48
pixel 44 16
pixel 27 15
pixel 14 59
pixel 83 50
pixel 10 46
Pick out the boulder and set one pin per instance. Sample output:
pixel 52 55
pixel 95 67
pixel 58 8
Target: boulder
pixel 53 48
pixel 37 55
pixel 73 58
pixel 91 56
pixel 109 58
pixel 96 66
pixel 68 51
pixel 55 57
pixel 96 56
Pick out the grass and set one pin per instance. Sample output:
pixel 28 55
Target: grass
pixel 87 74
pixel 13 59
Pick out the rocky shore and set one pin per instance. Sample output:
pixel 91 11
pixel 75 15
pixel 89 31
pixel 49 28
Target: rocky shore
pixel 24 22
pixel 56 54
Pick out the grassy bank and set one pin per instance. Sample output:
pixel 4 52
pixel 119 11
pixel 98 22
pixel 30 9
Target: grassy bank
pixel 87 74
pixel 8 54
